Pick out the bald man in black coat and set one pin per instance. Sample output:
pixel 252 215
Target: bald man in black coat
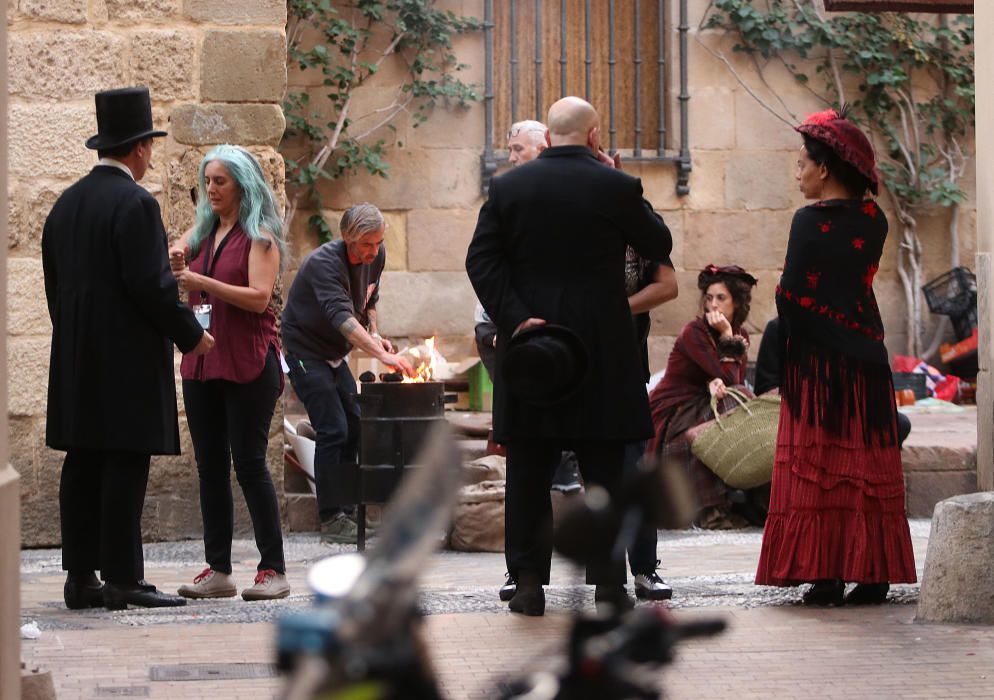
pixel 549 247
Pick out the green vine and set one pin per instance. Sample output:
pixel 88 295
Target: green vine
pixel 909 81
pixel 348 44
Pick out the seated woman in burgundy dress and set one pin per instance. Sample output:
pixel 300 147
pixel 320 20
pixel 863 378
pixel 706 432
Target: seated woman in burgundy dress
pixel 708 356
pixel 837 502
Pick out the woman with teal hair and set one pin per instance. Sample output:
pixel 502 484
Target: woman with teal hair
pixel 229 263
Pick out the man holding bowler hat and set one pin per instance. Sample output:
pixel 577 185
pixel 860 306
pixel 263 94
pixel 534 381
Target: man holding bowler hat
pixel 547 262
pixel 115 314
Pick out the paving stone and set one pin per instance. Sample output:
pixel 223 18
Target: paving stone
pixel 771 647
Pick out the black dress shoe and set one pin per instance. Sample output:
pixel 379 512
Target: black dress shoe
pixel 613 595
pixel 825 593
pixel 142 594
pixel 83 591
pixel 868 594
pixel 528 600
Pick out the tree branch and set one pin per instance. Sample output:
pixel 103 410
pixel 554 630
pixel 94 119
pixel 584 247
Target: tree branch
pixel 721 57
pixel 833 62
pixel 762 77
pixel 912 162
pixel 938 335
pixel 396 108
pixel 912 117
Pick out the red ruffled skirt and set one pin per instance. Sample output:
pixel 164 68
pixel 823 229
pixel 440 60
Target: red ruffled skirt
pixel 837 506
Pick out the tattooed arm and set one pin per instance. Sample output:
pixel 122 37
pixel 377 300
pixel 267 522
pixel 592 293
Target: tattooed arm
pixel 357 336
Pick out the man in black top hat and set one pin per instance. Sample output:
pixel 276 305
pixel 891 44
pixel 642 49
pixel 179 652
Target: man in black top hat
pixel 549 248
pixel 115 314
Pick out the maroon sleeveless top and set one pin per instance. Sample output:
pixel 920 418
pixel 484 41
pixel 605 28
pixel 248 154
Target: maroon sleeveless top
pixel 241 338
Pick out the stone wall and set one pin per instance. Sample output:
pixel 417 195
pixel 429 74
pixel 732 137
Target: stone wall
pixel 742 197
pixel 216 72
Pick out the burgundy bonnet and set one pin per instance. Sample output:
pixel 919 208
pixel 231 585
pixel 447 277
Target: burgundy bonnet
pixel 845 139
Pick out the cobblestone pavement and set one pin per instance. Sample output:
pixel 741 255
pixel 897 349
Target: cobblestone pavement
pixel 773 647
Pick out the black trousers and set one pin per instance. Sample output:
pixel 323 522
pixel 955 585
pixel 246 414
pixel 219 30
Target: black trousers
pixel 528 505
pixel 328 394
pixel 642 550
pixel 229 422
pixel 101 496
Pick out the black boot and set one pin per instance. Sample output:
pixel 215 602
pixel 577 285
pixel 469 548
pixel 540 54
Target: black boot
pixel 83 591
pixel 613 595
pixel 529 598
pixel 868 594
pixel 827 592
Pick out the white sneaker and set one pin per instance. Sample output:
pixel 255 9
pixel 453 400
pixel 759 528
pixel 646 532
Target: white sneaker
pixel 651 587
pixel 209 584
pixel 268 586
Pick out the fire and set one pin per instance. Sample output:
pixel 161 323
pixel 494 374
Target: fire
pixel 423 358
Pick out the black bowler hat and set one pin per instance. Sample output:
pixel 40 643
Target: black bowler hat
pixel 545 365
pixel 123 116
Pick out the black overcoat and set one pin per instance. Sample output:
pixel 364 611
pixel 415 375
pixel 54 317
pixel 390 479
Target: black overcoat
pixel 115 313
pixel 550 243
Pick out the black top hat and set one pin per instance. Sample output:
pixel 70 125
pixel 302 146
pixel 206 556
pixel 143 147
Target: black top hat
pixel 544 365
pixel 123 116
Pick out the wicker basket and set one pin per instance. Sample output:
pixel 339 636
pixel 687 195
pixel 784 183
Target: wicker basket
pixel 739 446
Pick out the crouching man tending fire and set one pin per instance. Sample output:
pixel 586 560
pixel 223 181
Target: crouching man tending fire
pixel 330 309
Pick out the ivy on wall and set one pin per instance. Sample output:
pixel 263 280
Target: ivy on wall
pixel 348 43
pixel 909 82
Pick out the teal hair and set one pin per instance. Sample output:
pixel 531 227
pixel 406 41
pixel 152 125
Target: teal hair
pixel 258 209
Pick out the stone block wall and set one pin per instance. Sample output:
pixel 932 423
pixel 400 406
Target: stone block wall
pixel 742 197
pixel 217 73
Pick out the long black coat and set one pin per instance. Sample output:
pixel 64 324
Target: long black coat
pixel 550 243
pixel 115 313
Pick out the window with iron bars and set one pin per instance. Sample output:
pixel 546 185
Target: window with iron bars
pixel 616 54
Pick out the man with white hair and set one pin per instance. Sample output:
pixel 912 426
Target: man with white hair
pixel 549 247
pixel 525 140
pixel 330 309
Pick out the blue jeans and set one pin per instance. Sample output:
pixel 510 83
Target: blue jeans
pixel 328 394
pixel 642 551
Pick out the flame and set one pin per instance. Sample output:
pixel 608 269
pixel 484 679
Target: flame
pixel 423 358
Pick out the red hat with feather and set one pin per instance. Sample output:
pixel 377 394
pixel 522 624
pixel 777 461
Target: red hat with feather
pixel 832 128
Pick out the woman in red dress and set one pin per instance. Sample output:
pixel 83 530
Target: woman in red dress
pixel 837 502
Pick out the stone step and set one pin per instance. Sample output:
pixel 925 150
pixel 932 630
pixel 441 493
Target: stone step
pixel 939 459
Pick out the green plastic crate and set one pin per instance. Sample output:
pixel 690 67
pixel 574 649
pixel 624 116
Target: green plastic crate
pixel 481 389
